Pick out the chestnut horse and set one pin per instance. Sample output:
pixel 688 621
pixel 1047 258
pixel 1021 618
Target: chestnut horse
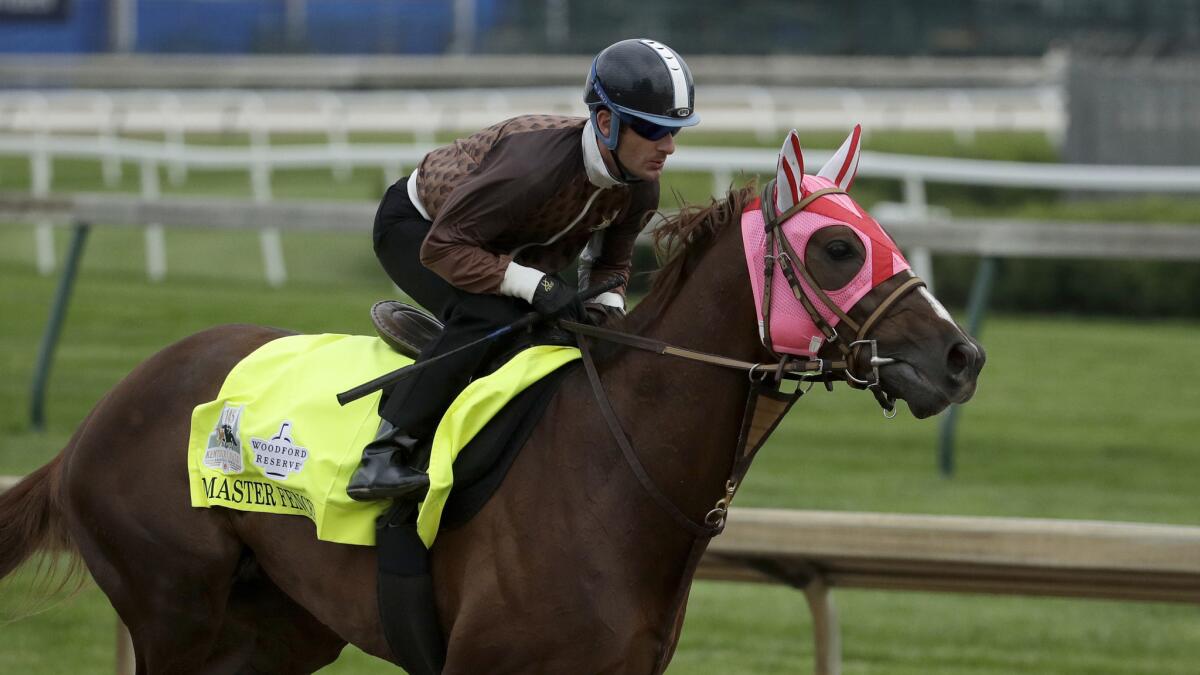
pixel 571 567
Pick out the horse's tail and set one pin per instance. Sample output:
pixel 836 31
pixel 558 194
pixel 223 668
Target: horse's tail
pixel 31 520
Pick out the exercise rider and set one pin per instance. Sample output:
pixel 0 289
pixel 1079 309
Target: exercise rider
pixel 478 232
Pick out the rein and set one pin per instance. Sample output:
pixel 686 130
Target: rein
pixel 818 370
pixel 767 403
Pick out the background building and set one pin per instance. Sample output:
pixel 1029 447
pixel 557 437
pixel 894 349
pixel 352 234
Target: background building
pixel 861 27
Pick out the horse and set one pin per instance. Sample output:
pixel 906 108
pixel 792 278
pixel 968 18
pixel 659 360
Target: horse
pixel 572 566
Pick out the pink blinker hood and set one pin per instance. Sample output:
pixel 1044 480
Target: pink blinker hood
pixel 792 330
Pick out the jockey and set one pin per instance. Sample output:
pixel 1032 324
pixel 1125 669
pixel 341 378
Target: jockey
pixel 479 231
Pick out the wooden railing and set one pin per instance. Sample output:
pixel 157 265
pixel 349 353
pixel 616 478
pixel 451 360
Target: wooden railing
pixel 818 550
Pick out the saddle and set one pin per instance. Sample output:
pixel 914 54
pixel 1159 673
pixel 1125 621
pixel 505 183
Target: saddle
pixel 405 586
pixel 404 328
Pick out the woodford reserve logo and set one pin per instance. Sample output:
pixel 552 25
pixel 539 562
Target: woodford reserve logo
pixel 279 456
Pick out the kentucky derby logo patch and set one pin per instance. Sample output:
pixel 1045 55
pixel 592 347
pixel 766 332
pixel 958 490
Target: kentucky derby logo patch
pixel 279 456
pixel 224 451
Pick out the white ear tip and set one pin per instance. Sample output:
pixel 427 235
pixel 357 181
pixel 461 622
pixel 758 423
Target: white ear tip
pixel 843 165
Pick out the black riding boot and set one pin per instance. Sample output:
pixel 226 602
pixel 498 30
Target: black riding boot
pixel 385 472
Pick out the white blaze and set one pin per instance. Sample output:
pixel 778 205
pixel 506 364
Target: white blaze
pixel 937 306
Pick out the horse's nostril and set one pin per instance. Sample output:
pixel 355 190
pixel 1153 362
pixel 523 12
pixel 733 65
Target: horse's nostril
pixel 961 359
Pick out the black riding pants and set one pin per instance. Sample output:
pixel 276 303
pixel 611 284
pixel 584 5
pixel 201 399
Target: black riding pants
pixel 416 404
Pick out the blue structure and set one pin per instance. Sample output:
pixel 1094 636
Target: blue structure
pixel 79 26
pixel 247 27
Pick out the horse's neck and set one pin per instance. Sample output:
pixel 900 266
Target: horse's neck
pixel 682 416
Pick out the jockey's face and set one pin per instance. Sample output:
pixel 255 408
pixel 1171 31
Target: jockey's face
pixel 641 157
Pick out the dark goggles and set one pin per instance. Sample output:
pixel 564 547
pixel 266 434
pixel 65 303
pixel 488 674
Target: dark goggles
pixel 646 129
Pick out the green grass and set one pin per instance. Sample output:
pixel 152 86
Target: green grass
pixel 1074 418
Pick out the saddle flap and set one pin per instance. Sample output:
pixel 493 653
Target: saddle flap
pixel 404 328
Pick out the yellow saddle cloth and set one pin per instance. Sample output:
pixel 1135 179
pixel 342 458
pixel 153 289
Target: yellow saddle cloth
pixel 275 439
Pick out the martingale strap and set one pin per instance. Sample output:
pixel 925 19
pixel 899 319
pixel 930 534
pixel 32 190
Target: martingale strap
pixel 697 530
pixel 766 406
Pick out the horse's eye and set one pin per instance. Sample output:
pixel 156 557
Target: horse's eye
pixel 839 250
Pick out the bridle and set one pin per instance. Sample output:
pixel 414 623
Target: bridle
pixel 781 253
pixel 767 402
pixel 766 378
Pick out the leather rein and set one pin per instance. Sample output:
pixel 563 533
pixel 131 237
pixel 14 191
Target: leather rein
pixel 765 378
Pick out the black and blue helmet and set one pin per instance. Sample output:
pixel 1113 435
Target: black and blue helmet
pixel 646 85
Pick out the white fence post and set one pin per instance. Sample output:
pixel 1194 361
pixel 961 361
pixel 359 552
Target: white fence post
pixel 272 251
pixel 827 632
pixel 155 237
pixel 762 102
pixel 269 239
pixel 428 117
pixel 41 177
pixel 43 240
pixel 337 136
pixel 270 242
pixel 960 103
pixel 110 165
pixel 174 136
pixel 914 200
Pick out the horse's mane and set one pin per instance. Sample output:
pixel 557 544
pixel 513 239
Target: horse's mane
pixel 681 239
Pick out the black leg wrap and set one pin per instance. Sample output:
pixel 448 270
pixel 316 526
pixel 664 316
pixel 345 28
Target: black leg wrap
pixel 407 605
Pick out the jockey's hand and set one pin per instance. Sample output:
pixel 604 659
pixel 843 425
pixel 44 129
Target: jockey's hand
pixel 599 314
pixel 554 298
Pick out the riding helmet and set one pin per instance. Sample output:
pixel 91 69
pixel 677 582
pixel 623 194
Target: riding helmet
pixel 644 79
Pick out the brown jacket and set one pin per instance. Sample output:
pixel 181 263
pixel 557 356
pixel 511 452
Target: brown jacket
pixel 519 191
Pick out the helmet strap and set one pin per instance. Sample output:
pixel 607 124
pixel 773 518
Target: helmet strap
pixel 611 140
pixel 613 136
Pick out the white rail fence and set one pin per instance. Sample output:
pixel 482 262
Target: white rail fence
pixel 259 163
pixel 913 232
pixel 765 111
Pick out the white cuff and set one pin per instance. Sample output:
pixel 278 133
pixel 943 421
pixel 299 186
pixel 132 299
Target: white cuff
pixel 610 299
pixel 520 281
